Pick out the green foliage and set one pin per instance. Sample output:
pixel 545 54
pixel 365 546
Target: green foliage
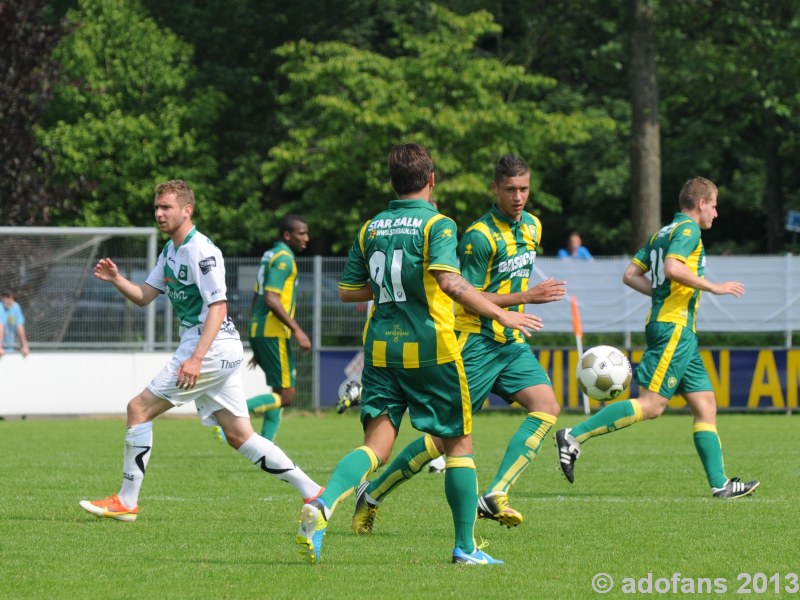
pixel 344 109
pixel 213 526
pixel 729 96
pixel 126 118
pixel 157 90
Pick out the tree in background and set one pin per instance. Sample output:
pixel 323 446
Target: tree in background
pixel 729 72
pixel 27 76
pixel 726 73
pixel 126 116
pixel 204 85
pixel 645 127
pixel 344 108
pixel 233 43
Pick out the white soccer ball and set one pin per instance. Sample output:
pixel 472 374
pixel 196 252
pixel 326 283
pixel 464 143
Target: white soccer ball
pixel 604 373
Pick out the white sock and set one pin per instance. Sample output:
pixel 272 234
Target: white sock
pixel 138 442
pixel 260 451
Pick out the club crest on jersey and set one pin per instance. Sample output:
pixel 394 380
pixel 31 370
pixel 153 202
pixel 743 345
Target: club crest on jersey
pixel 207 264
pixel 183 272
pixel 534 234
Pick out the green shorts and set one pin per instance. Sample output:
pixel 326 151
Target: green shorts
pixel 437 397
pixel 503 369
pixel 276 360
pixel 672 363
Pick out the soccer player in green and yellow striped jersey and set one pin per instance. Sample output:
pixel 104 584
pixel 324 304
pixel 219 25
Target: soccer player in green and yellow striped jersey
pixel 272 324
pixel 675 258
pixel 496 255
pixel 405 260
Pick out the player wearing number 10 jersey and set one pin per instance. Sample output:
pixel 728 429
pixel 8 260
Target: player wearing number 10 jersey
pixel 675 258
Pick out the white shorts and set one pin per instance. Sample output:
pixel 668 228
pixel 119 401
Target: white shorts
pixel 218 386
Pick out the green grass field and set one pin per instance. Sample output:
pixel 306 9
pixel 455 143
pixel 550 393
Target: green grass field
pixel 213 526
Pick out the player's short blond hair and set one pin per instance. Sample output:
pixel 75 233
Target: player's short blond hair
pixel 694 189
pixel 183 193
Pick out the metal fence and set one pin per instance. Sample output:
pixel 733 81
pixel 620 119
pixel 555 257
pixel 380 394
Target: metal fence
pixel 102 319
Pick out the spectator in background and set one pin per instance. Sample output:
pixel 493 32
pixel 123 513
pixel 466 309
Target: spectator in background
pixel 575 248
pixel 12 325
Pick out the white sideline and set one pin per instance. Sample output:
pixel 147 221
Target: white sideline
pixel 86 383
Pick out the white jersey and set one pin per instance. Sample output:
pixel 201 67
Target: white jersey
pixel 193 277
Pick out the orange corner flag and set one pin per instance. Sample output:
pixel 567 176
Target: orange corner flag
pixel 577 328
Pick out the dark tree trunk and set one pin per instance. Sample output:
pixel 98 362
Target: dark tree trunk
pixel 27 74
pixel 645 130
pixel 774 196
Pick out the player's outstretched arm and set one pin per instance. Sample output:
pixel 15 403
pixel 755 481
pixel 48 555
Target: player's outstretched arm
pixel 461 291
pixel 733 288
pixel 676 270
pixel 549 290
pixel 139 294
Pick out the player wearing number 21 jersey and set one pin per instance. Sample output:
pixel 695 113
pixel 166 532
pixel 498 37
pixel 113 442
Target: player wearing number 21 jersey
pixel 496 255
pixel 404 259
pixel 411 324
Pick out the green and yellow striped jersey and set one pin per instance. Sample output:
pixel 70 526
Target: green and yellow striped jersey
pixel 411 322
pixel 276 273
pixel 497 255
pixel 671 301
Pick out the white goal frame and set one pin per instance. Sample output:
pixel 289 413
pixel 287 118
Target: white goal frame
pixel 95 236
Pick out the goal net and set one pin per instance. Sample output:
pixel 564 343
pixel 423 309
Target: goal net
pixel 50 270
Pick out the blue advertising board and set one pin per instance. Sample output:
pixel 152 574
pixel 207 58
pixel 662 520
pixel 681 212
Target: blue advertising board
pixel 757 380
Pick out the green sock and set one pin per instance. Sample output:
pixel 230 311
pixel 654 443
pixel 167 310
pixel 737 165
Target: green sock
pixel 708 446
pixel 272 420
pixel 263 403
pixel 461 490
pixel 616 415
pixel 405 465
pixel 348 474
pixel 522 449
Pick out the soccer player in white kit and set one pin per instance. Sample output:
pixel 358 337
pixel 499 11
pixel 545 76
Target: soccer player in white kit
pixel 204 368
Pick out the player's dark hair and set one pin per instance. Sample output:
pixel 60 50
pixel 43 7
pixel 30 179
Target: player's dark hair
pixel 183 193
pixel 693 190
pixel 288 223
pixel 410 168
pixel 509 166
